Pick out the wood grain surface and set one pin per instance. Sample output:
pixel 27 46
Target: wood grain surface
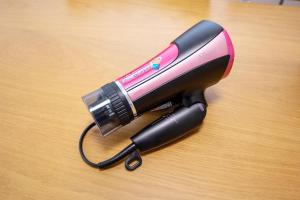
pixel 53 52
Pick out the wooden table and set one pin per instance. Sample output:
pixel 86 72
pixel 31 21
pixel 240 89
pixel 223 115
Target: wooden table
pixel 52 53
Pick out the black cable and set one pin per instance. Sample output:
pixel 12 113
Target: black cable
pixel 118 157
pixel 95 165
pixel 107 163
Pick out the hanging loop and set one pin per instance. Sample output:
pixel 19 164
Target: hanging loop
pixel 133 161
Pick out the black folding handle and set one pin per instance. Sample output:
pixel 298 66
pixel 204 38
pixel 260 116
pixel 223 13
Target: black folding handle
pixel 169 127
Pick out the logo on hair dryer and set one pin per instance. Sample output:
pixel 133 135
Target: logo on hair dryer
pixel 152 65
pixel 155 63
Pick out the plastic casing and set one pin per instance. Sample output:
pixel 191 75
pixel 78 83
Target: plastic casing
pixel 197 59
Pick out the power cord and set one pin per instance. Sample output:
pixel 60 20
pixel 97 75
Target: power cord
pixel 130 149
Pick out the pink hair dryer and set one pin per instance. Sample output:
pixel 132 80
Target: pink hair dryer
pixel 176 77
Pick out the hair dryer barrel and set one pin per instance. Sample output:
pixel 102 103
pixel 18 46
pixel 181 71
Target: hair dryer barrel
pixel 197 59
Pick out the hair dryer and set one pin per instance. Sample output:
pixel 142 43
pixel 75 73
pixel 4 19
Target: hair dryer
pixel 176 77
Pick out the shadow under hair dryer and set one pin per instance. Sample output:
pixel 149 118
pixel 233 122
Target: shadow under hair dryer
pixel 177 78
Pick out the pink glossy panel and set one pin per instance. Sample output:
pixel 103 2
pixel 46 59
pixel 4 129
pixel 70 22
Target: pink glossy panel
pixel 214 49
pixel 150 67
pixel 230 52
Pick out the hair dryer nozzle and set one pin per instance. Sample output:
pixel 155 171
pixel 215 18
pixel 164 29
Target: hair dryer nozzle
pixel 109 107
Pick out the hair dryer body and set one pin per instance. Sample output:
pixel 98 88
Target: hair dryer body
pixel 197 59
pixel 178 75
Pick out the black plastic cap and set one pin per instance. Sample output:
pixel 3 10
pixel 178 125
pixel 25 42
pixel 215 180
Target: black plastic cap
pixel 119 102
